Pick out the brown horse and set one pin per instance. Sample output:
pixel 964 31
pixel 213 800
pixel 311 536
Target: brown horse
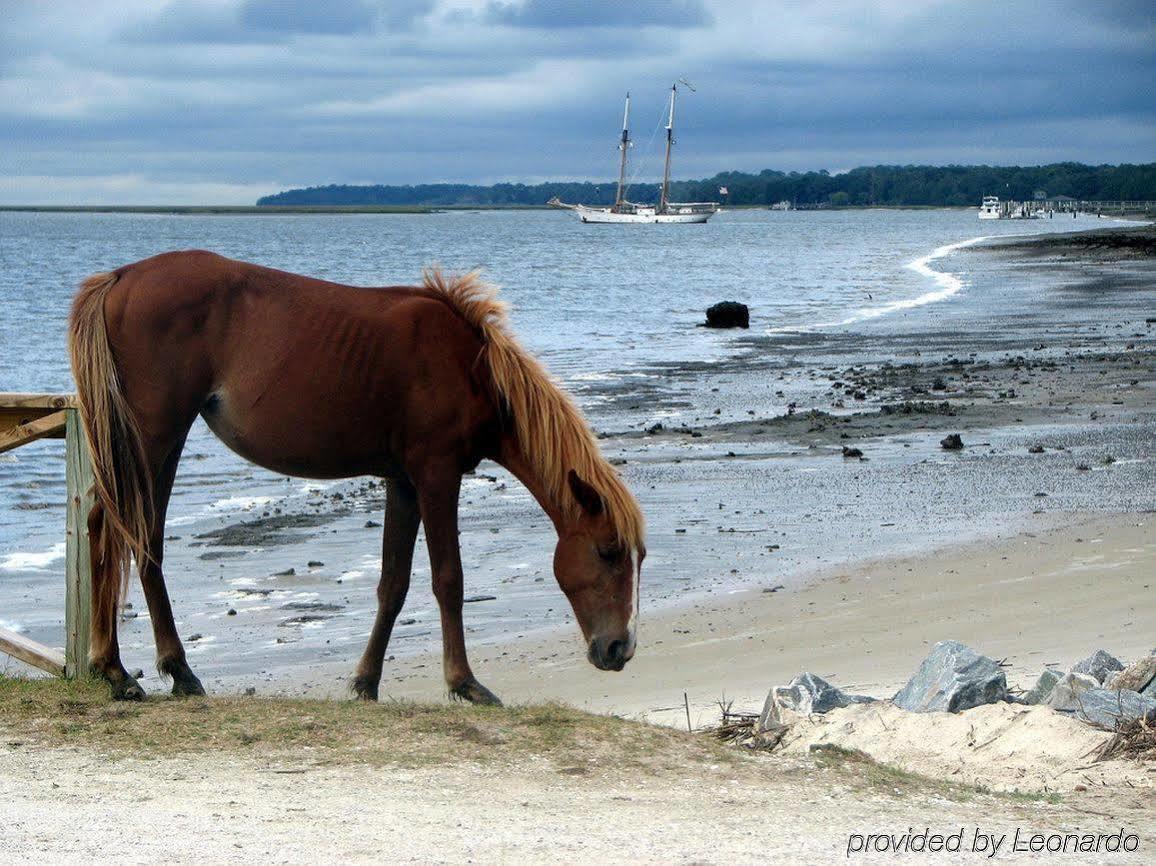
pixel 312 378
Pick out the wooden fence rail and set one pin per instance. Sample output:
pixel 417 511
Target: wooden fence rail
pixel 25 418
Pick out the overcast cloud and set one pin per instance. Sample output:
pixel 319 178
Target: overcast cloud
pixel 220 101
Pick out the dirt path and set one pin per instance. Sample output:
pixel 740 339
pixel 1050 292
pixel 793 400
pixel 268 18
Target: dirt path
pixel 64 805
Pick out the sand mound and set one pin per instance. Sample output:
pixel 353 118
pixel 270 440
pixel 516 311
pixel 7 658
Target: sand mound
pixel 1005 747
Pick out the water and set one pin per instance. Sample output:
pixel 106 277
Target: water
pixel 607 307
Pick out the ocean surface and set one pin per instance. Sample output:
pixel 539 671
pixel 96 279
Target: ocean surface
pixel 611 309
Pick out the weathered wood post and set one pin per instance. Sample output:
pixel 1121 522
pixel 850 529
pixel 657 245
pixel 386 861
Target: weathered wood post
pixel 78 561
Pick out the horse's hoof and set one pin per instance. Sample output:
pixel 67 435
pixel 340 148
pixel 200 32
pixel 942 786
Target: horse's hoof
pixel 187 686
pixel 185 682
pixel 364 688
pixel 127 689
pixel 474 692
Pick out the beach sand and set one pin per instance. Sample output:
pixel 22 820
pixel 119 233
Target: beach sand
pixel 1049 597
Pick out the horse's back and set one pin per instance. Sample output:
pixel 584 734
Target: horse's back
pixel 302 375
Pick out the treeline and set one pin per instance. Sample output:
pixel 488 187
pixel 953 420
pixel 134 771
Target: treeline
pixel 891 185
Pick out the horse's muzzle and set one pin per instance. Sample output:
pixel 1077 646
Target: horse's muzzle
pixel 609 654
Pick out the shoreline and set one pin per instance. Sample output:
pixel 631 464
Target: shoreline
pixel 865 627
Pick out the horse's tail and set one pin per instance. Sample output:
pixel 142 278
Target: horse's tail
pixel 120 524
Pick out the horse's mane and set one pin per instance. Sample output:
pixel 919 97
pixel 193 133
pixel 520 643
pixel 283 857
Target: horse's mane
pixel 552 432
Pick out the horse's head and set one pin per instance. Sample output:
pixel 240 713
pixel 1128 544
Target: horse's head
pixel 600 576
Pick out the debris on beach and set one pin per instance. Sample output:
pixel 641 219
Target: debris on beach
pixel 952 442
pixel 852 453
pixel 953 677
pixel 728 314
pixel 474 598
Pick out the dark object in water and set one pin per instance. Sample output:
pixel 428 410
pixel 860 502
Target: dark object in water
pixel 852 452
pixel 728 314
pixel 952 442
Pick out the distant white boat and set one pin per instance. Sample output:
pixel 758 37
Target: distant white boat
pixel 623 211
pixel 992 209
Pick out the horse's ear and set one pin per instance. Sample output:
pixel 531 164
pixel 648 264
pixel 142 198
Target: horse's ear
pixel 589 498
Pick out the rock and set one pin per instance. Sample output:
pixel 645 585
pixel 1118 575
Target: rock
pixel 1068 686
pixel 1136 677
pixel 1098 665
pixel 1036 449
pixel 289 572
pixel 806 694
pixel 1105 707
pixel 1043 687
pixel 315 563
pixel 953 677
pixel 852 452
pixel 728 314
pixel 952 442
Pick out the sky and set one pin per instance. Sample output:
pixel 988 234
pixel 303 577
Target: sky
pixel 221 101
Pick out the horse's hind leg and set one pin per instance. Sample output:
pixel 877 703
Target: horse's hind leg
pixel 170 652
pixel 438 498
pixel 401 521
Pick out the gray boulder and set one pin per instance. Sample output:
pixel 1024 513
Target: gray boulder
pixel 952 678
pixel 1136 677
pixel 1099 664
pixel 1043 687
pixel 1070 686
pixel 806 694
pixel 1107 708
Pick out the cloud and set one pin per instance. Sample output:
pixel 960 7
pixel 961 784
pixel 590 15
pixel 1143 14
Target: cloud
pixel 224 96
pixel 550 14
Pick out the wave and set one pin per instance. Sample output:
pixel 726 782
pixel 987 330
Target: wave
pixel 28 561
pixel 947 285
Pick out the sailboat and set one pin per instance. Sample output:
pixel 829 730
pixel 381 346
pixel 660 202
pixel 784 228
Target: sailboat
pixel 623 211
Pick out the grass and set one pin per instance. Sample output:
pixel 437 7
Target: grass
pixel 79 713
pixel 52 712
pixel 868 774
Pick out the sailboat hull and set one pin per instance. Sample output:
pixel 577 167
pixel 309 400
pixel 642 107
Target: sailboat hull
pixel 641 215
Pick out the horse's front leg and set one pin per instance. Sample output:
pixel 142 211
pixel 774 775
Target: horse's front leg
pixel 438 500
pixel 401 521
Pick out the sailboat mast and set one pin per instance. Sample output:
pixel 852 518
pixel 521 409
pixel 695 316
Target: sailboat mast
pixel 669 142
pixel 623 146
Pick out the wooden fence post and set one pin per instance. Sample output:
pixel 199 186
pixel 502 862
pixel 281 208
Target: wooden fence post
pixel 78 562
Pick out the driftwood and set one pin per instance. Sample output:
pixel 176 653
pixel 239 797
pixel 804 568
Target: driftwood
pixel 742 730
pixel 1135 739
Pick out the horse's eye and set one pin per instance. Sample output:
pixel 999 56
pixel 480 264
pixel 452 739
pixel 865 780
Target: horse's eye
pixel 610 554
